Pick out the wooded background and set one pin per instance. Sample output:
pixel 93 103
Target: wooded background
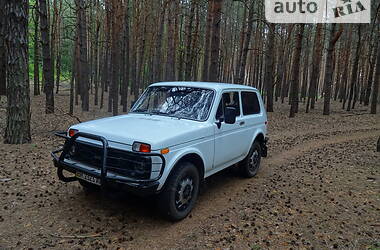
pixel 115 48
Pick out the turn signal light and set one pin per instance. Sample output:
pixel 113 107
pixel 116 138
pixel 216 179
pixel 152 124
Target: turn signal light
pixel 141 147
pixel 165 151
pixel 72 132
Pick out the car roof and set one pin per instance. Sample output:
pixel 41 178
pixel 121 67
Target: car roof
pixel 209 85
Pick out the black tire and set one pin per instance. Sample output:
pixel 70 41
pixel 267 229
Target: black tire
pixel 180 193
pixel 89 187
pixel 251 164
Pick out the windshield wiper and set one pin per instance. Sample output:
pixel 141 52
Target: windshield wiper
pixel 140 111
pixel 157 112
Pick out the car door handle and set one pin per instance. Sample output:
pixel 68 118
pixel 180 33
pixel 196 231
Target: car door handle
pixel 241 123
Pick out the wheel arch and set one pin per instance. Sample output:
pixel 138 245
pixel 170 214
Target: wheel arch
pixel 258 136
pixel 189 156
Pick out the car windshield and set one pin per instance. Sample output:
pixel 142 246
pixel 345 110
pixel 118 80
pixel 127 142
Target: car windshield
pixel 180 102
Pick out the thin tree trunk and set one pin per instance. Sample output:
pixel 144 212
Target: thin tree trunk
pixel 36 63
pixel 242 37
pixel 188 48
pixel 58 47
pixel 83 68
pixel 206 57
pixel 116 42
pixel 134 48
pixel 376 81
pixel 47 60
pixel 3 58
pixel 247 41
pixel 269 67
pixel 317 56
pixel 96 55
pixel 372 63
pixel 73 73
pixel 126 59
pixel 170 64
pixel 157 64
pixel 295 72
pixel 354 69
pixel 215 40
pixel 105 71
pixel 17 130
pixel 330 67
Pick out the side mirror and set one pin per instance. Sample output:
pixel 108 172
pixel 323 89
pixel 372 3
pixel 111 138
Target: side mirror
pixel 230 115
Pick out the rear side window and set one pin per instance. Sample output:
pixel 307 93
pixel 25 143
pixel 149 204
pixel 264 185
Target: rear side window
pixel 250 102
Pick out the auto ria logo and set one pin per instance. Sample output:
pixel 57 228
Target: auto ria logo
pixel 318 11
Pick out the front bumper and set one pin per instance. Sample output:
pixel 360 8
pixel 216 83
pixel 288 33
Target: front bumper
pixel 108 179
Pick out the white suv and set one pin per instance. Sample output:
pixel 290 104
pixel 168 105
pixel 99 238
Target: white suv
pixel 176 135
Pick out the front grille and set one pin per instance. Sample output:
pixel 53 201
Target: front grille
pixel 124 163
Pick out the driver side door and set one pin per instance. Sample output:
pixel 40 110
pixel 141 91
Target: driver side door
pixel 228 147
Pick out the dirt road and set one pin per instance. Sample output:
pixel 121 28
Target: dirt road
pixel 318 188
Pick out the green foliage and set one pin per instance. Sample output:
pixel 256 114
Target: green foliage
pixel 67 42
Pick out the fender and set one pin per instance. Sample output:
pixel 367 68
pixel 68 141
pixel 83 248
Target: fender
pixel 258 131
pixel 175 158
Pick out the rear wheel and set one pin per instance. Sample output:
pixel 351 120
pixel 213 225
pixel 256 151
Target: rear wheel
pixel 251 164
pixel 180 193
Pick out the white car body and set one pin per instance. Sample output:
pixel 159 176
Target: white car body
pixel 218 148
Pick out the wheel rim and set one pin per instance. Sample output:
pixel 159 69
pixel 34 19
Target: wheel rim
pixel 254 161
pixel 184 193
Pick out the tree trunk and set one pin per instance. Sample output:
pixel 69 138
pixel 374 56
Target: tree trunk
pixel 73 73
pixel 116 42
pixel 206 57
pixel 83 67
pixel 354 69
pixel 140 72
pixel 295 72
pixel 317 56
pixel 372 62
pixel 96 55
pixel 247 41
pixel 57 45
pixel 215 40
pixel 17 130
pixel 48 74
pixel 134 48
pixel 105 71
pixel 3 58
pixel 126 58
pixel 269 67
pixel 157 64
pixel 330 67
pixel 189 37
pixel 376 80
pixel 242 37
pixel 170 63
pixel 36 62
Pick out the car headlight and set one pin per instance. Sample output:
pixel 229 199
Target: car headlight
pixel 141 147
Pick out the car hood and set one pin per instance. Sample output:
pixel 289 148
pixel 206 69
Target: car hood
pixel 158 131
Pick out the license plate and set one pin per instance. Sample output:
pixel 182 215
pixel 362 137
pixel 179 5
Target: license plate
pixel 88 178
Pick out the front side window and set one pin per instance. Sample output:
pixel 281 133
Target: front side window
pixel 250 103
pixel 174 101
pixel 229 99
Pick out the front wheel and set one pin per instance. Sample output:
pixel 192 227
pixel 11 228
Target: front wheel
pixel 180 192
pixel 251 164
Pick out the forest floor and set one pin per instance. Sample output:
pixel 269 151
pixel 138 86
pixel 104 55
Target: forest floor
pixel 319 188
